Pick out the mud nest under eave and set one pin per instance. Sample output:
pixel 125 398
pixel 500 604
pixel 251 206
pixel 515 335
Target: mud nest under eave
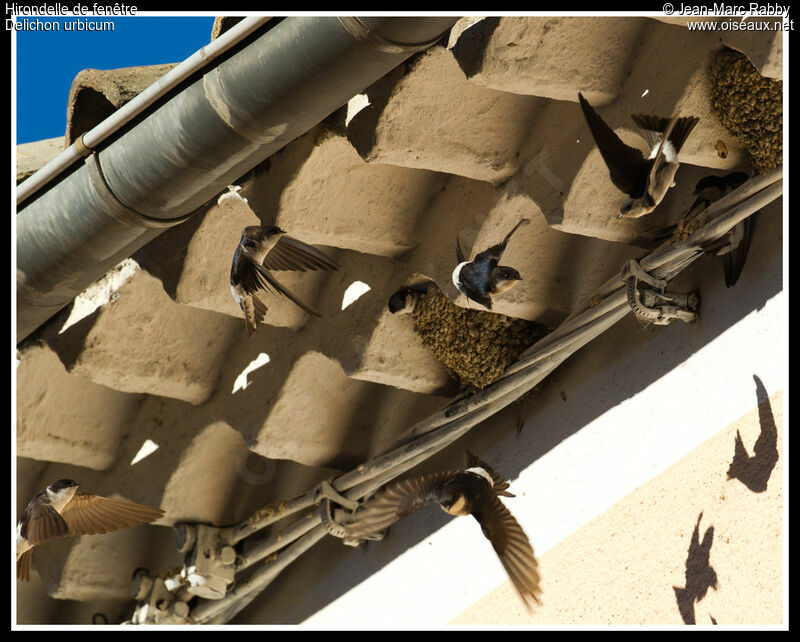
pixel 475 346
pixel 749 106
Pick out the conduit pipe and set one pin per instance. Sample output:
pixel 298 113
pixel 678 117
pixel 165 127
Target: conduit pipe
pixel 159 172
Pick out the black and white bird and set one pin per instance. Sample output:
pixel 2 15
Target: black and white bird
pixel 474 491
pixel 644 180
pixel 483 277
pixel 60 511
pixel 260 250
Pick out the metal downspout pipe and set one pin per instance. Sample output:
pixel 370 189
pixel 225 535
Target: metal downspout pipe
pixel 159 172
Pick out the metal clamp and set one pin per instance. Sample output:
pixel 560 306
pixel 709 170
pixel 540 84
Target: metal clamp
pixel 333 517
pixel 209 567
pixel 159 600
pixel 653 303
pixel 332 521
pixel 326 491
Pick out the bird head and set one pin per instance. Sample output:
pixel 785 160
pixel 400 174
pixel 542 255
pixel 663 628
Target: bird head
pixel 62 490
pixel 403 301
pixel 61 484
pixel 455 504
pixel 636 207
pixel 255 235
pixel 507 278
pixel 272 230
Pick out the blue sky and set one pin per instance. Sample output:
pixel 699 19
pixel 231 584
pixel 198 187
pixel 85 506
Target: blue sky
pixel 47 61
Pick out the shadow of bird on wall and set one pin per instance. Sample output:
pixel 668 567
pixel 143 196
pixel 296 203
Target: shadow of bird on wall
pixel 754 472
pixel 700 576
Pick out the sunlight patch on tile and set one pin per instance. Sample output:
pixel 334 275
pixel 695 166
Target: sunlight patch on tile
pixel 241 381
pixel 102 291
pixel 148 448
pixel 355 105
pixel 353 292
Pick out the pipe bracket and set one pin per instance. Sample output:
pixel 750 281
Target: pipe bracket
pixel 332 520
pixel 116 207
pixel 81 147
pixel 650 300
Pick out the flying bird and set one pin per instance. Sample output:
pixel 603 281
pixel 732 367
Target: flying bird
pixel 60 511
pixel 473 491
pixel 644 180
pixel 260 250
pixel 482 277
pixel 736 243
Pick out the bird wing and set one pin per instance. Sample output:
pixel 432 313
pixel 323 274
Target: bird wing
pixel 494 253
pixel 41 522
pixel 89 514
pixel 290 254
pixel 660 156
pixel 491 255
pixel 476 295
pixel 24 566
pixel 245 276
pixel 512 547
pixel 269 280
pixel 734 260
pixel 627 165
pixel 254 312
pixel 654 128
pixel 243 272
pixel 396 501
pixel 500 484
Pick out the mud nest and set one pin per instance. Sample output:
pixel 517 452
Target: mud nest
pixel 475 346
pixel 749 106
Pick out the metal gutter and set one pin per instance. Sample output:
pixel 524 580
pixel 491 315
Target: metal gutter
pixel 159 172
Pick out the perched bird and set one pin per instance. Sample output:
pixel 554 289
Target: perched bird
pixel 736 242
pixel 644 180
pixel 474 491
pixel 269 248
pixel 60 511
pixel 403 301
pixel 482 277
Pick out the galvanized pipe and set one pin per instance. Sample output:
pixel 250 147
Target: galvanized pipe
pixel 158 173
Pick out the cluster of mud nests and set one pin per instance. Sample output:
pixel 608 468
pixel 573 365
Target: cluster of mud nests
pixel 475 346
pixel 749 106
